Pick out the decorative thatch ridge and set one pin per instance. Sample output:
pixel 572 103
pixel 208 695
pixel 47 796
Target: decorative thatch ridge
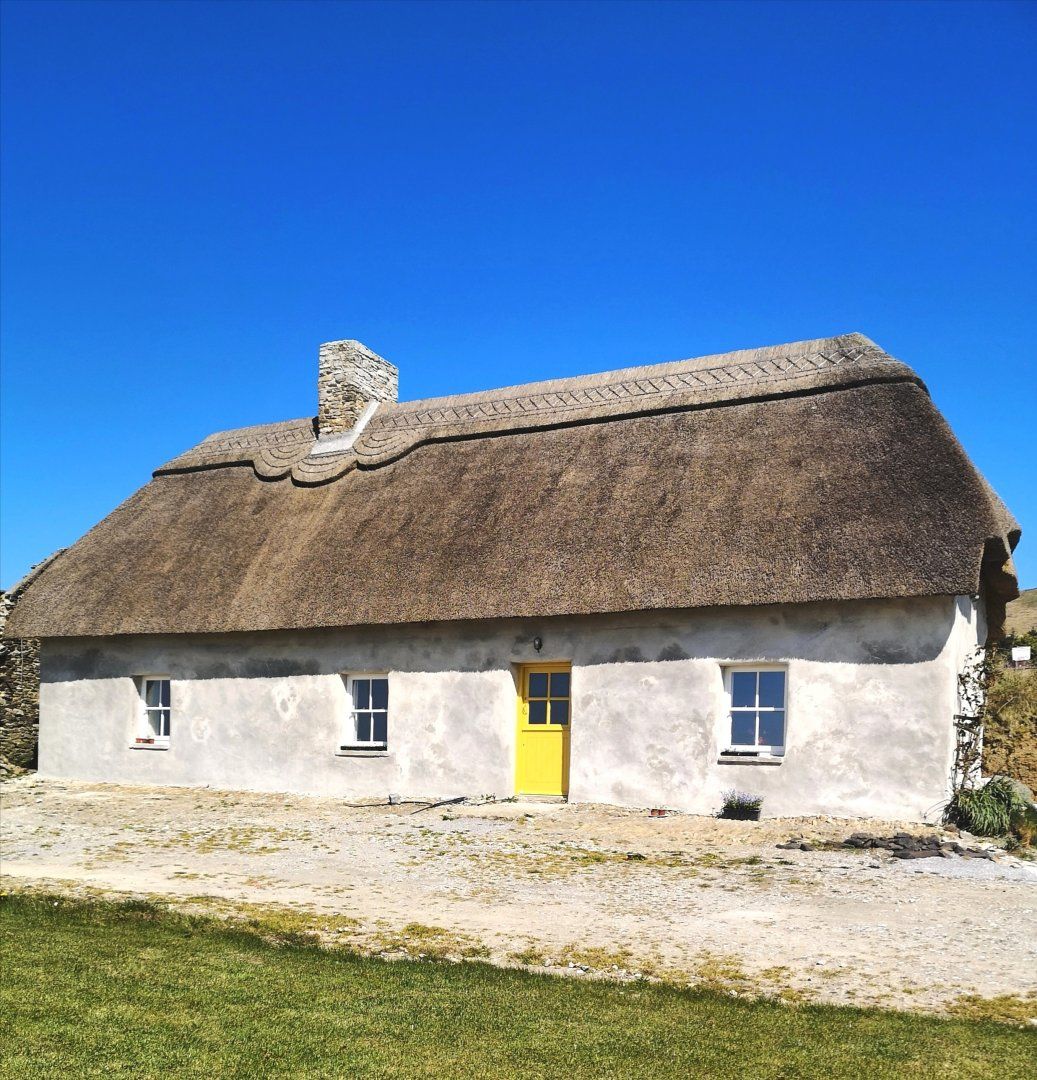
pixel 278 451
pixel 812 472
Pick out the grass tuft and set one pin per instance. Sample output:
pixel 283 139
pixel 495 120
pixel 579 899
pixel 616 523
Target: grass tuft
pixel 1003 1009
pixel 987 810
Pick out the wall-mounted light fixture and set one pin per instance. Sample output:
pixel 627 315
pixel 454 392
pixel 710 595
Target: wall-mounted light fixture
pixel 538 643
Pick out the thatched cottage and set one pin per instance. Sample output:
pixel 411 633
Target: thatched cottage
pixel 760 570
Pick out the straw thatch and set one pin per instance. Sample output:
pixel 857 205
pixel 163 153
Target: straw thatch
pixel 814 471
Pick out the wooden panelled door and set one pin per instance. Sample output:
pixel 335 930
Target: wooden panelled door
pixel 542 747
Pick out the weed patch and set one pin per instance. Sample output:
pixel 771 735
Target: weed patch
pixel 1005 1008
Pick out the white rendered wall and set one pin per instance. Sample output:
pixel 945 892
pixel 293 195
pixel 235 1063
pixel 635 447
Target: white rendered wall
pixel 871 696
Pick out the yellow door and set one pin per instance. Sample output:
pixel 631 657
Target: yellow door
pixel 542 749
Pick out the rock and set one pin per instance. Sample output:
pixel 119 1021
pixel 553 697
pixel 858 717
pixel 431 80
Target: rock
pixel 1021 790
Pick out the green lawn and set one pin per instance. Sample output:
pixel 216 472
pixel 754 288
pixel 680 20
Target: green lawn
pixel 104 990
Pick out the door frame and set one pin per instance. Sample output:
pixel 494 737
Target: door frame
pixel 522 671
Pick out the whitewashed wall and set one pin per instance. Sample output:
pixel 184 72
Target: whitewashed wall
pixel 871 696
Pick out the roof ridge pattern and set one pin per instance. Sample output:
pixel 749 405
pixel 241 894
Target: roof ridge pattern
pixel 278 451
pixel 626 390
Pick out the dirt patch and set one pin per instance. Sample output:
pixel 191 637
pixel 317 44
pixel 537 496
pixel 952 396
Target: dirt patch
pixel 583 889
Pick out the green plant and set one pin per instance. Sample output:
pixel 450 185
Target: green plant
pixel 741 806
pixel 986 810
pixel 1024 826
pixel 995 727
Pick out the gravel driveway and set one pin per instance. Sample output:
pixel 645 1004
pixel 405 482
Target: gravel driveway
pixel 553 886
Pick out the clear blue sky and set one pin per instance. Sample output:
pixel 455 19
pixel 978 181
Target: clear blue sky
pixel 195 195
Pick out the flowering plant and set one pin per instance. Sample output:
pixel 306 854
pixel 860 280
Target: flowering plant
pixel 741 805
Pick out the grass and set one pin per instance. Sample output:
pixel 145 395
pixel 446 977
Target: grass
pixel 1005 1008
pixel 989 810
pixel 558 861
pixel 1021 615
pixel 121 990
pixel 430 942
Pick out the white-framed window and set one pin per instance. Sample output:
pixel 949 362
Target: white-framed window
pixel 757 699
pixel 367 722
pixel 155 712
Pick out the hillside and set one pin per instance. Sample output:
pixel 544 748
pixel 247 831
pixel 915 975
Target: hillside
pixel 1010 737
pixel 1022 613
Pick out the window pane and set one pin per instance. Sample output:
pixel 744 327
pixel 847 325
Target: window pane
pixel 363 727
pixel 560 684
pixel 772 729
pixel 538 712
pixel 361 693
pixel 152 692
pixel 772 689
pixel 380 725
pixel 559 712
pixel 164 685
pixel 743 729
pixel 537 684
pixel 379 693
pixel 164 722
pixel 743 688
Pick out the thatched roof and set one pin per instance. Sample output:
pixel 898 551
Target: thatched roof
pixel 814 471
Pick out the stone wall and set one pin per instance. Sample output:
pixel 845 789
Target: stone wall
pixel 19 696
pixel 349 377
pixel 1010 730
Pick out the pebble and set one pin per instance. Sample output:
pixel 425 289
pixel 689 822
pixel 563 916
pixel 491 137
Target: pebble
pixel 943 937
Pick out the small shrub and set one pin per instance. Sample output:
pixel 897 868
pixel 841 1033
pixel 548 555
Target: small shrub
pixel 988 810
pixel 741 806
pixel 1024 826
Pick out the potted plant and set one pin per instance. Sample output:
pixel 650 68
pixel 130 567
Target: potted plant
pixel 741 806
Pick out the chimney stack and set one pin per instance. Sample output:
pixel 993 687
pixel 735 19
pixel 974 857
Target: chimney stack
pixel 349 378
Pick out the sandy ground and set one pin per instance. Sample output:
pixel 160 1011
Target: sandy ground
pixel 552 886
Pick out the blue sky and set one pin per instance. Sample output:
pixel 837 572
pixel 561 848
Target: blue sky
pixel 196 195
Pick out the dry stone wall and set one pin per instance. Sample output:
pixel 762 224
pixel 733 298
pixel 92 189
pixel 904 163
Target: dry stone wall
pixel 1010 731
pixel 19 696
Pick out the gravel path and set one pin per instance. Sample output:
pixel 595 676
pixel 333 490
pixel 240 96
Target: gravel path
pixel 562 887
pixel 971 870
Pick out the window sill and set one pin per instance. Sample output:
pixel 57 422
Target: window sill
pixel 361 751
pixel 750 759
pixel 149 745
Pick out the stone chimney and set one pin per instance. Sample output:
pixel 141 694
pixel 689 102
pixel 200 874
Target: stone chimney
pixel 349 378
